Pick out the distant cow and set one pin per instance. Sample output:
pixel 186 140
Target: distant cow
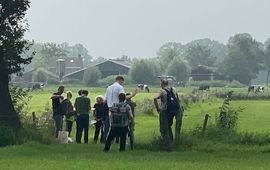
pixel 144 87
pixel 37 86
pixel 256 89
pixel 204 87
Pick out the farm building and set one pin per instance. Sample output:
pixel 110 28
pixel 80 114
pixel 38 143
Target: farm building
pixel 107 68
pixel 201 73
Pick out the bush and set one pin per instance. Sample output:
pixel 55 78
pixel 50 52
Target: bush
pixel 110 79
pixel 20 98
pixel 91 76
pixel 146 107
pixel 52 81
pixel 8 136
pixel 71 81
pixel 40 76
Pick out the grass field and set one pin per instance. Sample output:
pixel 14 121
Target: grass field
pixel 204 155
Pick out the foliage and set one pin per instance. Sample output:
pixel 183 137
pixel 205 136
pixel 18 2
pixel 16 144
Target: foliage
pixel 52 81
pixel 40 76
pixel 178 69
pixel 199 55
pixel 20 98
pixel 216 83
pixel 91 76
pixel 146 107
pixel 244 60
pixel 143 71
pixel 267 59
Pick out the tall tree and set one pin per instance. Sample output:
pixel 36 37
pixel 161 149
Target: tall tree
pixel 244 60
pixel 168 52
pixel 199 55
pixel 12 45
pixel 178 69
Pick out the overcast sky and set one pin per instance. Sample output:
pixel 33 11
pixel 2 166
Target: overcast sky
pixel 137 28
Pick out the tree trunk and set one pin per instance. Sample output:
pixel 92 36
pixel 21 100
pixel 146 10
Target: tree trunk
pixel 267 78
pixel 8 115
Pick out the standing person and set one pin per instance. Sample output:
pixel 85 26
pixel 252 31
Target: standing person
pixel 69 112
pixel 169 109
pixel 100 113
pixel 131 126
pixel 119 113
pixel 82 106
pixel 57 98
pixel 113 91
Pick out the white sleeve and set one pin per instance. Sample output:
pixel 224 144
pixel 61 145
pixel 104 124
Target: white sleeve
pixel 121 90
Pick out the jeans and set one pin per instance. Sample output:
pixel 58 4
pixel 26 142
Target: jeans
pixel 58 122
pixel 131 136
pixel 117 131
pixel 82 125
pixel 99 127
pixel 69 127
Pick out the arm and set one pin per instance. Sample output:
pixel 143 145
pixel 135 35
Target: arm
pixel 133 94
pixel 131 117
pixel 156 102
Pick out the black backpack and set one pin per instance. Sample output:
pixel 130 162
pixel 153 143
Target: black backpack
pixel 173 105
pixel 119 115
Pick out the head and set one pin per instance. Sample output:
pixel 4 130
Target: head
pixel 80 92
pixel 164 83
pixel 61 89
pixel 122 97
pixel 85 92
pixel 69 95
pixel 120 80
pixel 99 99
pixel 128 94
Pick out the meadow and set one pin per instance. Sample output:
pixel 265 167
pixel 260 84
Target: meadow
pixel 192 153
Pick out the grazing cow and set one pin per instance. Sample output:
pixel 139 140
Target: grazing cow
pixel 256 89
pixel 144 87
pixel 204 87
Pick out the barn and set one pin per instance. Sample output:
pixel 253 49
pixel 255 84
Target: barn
pixel 107 68
pixel 205 73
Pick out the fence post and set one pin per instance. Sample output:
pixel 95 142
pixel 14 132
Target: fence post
pixel 34 118
pixel 205 123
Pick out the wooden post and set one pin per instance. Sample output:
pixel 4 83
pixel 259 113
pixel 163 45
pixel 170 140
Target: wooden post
pixel 205 123
pixel 34 118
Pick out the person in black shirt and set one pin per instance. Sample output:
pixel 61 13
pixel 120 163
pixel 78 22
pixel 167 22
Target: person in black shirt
pixel 57 98
pixel 100 113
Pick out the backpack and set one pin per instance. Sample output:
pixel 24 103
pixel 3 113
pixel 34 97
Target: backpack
pixel 119 115
pixel 173 105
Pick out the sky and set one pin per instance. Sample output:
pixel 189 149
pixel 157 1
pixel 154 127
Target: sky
pixel 137 28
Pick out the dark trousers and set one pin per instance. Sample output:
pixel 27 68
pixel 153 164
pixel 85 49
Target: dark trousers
pixel 131 136
pixel 117 131
pixel 99 127
pixel 58 122
pixel 82 126
pixel 106 128
pixel 69 127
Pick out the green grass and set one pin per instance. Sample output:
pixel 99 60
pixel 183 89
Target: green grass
pixel 203 154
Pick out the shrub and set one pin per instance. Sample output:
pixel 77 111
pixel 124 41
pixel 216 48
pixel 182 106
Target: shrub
pixel 8 136
pixel 40 76
pixel 91 76
pixel 20 98
pixel 146 107
pixel 52 81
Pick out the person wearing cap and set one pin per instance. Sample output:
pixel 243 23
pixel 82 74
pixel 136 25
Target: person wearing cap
pixel 58 115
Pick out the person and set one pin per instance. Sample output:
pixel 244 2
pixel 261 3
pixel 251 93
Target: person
pixel 131 127
pixel 100 113
pixel 82 106
pixel 113 92
pixel 69 112
pixel 119 113
pixel 169 109
pixel 57 99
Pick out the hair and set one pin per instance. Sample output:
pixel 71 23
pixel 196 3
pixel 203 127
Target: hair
pixel 164 82
pixel 60 87
pixel 119 78
pixel 100 97
pixel 122 97
pixel 69 93
pixel 85 92
pixel 80 92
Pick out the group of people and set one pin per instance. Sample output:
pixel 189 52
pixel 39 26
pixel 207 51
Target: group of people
pixel 114 114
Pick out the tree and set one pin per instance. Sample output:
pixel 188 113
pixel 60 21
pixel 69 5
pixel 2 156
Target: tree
pixel 52 51
pixel 178 69
pixel 199 55
pixel 12 45
pixel 244 60
pixel 168 52
pixel 143 71
pixel 91 76
pixel 267 59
